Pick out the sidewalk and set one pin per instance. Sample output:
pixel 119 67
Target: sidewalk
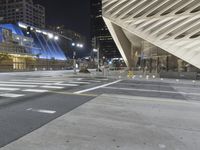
pixel 122 74
pixel 114 122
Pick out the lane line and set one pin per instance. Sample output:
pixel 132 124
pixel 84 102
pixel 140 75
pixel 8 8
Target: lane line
pixel 79 79
pixel 48 79
pixel 52 87
pixel 10 95
pixel 155 91
pixel 79 82
pixel 69 93
pixel 29 83
pixel 9 89
pixel 37 81
pixel 18 85
pixel 35 90
pixel 41 111
pixel 60 84
pixel 97 87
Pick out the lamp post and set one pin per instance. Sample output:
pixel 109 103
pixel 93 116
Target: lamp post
pixel 75 45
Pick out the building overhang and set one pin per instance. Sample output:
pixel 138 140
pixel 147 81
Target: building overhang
pixel 170 25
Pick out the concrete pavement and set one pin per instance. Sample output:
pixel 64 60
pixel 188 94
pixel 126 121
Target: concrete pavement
pixel 118 122
pixel 114 121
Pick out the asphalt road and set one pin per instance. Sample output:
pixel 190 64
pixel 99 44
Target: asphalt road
pixel 31 100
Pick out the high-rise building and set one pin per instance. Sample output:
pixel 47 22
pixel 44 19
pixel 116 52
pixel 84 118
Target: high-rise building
pixel 100 35
pixel 25 11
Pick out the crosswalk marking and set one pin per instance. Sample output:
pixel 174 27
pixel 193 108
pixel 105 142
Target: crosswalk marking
pixel 35 90
pixel 32 83
pixel 79 82
pixel 21 87
pixel 60 84
pixel 17 85
pixel 36 81
pixel 47 79
pixel 79 79
pixel 53 87
pixel 8 89
pixel 11 95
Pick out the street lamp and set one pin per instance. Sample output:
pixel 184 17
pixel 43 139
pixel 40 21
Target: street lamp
pixel 56 38
pixel 74 45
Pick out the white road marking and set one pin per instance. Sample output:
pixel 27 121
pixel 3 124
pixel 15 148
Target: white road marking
pixel 29 83
pixel 11 95
pixel 97 87
pixel 80 82
pixel 8 89
pixel 35 90
pixel 17 85
pixel 60 84
pixel 35 81
pixel 79 79
pixel 42 111
pixel 155 91
pixel 53 87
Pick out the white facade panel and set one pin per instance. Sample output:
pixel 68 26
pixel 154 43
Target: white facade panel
pixel 172 25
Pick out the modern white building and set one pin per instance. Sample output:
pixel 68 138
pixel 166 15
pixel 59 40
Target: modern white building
pixel 163 30
pixel 14 11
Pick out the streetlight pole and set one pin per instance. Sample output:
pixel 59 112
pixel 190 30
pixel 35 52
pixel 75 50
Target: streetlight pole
pixel 74 57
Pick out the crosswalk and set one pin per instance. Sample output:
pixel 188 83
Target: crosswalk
pixel 15 88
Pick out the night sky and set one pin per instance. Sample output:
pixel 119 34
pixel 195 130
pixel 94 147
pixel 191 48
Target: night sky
pixel 74 14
